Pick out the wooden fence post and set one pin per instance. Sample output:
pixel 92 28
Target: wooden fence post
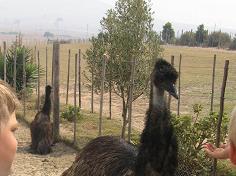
pixel 222 98
pixel 92 89
pixel 110 88
pixel 35 60
pixel 213 83
pixel 16 41
pixel 24 84
pixel 5 60
pixel 38 83
pixel 35 54
pixel 169 97
pixel 56 89
pixel 180 60
pixel 52 66
pixel 14 72
pixel 101 97
pixel 46 65
pixel 75 100
pixel 79 76
pixel 131 88
pixel 52 83
pixel 110 99
pixel 20 39
pixel 68 78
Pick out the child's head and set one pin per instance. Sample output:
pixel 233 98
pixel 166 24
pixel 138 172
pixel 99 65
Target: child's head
pixel 232 127
pixel 8 124
pixel 232 136
pixel 8 102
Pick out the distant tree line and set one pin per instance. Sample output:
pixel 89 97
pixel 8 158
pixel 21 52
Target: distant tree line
pixel 201 37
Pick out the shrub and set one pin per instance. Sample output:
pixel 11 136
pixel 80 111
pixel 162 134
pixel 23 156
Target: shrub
pixel 31 69
pixel 192 133
pixel 219 39
pixel 233 45
pixel 187 39
pixel 69 113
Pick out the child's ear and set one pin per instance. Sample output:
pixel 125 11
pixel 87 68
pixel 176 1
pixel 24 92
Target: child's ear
pixel 232 153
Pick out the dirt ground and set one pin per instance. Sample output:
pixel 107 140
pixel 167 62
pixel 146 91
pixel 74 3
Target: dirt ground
pixel 139 106
pixel 27 164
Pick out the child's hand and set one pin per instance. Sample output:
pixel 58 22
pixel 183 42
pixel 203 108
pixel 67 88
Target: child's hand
pixel 220 153
pixel 209 146
pixel 223 145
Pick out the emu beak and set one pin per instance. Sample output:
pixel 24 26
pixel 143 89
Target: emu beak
pixel 172 90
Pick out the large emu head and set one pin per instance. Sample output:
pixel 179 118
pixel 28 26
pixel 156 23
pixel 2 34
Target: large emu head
pixel 164 76
pixel 48 90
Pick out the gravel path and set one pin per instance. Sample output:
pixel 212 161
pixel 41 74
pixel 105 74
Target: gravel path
pixel 26 164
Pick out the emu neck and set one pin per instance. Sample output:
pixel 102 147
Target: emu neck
pixel 47 104
pixel 157 99
pixel 154 139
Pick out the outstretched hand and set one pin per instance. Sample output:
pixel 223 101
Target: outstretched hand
pixel 218 153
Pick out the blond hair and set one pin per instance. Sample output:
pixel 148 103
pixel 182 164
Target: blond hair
pixel 8 101
pixel 232 127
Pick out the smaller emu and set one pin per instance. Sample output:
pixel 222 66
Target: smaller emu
pixel 41 127
pixel 158 149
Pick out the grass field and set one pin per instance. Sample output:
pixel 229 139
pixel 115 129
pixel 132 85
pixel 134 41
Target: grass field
pixel 196 75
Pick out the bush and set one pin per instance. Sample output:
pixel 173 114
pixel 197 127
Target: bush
pixel 192 133
pixel 219 39
pixel 69 113
pixel 30 68
pixel 233 45
pixel 187 39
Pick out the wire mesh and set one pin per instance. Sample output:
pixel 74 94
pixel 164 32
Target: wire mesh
pixel 196 88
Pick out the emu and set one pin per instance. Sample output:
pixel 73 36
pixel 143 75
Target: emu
pixel 158 149
pixel 41 127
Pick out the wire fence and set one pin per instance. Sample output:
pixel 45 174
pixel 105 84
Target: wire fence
pixel 200 83
pixel 196 87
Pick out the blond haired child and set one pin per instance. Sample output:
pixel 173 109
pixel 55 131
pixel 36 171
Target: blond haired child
pixel 8 125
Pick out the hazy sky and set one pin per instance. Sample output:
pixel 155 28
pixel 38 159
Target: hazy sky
pixel 210 12
pixel 218 13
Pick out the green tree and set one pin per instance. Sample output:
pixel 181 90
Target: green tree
pixel 188 39
pixel 94 57
pixel 168 33
pixel 219 39
pixel 48 35
pixel 224 40
pixel 201 34
pixel 127 34
pixel 233 44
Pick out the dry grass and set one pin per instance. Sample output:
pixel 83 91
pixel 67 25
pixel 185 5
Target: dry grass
pixel 196 76
pixel 196 79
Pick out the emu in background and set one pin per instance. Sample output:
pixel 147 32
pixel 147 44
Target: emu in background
pixel 158 149
pixel 41 127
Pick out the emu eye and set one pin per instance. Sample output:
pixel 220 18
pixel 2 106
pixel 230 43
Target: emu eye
pixel 161 68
